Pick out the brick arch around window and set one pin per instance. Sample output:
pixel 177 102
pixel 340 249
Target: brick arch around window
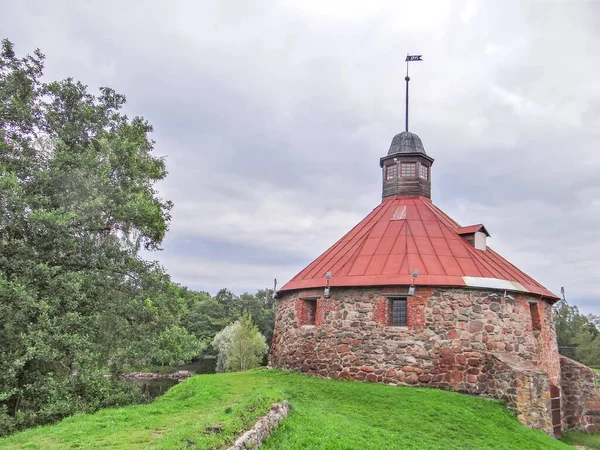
pixel 306 311
pixel 536 322
pixel 415 307
pixel 312 310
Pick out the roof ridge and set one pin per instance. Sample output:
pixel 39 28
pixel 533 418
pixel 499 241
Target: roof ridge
pixel 470 249
pixel 395 237
pixel 483 259
pixel 440 214
pixel 479 255
pixel 380 237
pixel 516 268
pixel 435 251
pixel 474 253
pixel 334 245
pixel 365 229
pixel 407 233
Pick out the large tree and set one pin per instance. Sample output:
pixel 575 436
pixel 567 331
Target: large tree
pixel 77 204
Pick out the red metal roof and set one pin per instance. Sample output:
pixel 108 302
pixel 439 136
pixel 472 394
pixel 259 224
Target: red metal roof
pixel 407 233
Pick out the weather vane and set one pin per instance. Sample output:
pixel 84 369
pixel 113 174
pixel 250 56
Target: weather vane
pixel 409 58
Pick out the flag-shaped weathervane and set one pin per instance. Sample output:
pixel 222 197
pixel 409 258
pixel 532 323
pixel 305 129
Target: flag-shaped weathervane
pixel 409 58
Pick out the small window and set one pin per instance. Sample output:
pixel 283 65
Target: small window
pixel 309 312
pixel 535 317
pixel 391 171
pixel 424 172
pixel 409 170
pixel 398 312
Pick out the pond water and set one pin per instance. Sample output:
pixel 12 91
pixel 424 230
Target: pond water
pixel 156 387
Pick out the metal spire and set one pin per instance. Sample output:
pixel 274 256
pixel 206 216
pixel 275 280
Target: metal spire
pixel 409 58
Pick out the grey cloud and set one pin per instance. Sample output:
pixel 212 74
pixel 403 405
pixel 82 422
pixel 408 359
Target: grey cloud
pixel 220 250
pixel 273 116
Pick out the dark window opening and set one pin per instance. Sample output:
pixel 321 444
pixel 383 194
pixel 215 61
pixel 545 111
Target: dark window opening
pixel 470 238
pixel 309 307
pixel 398 310
pixel 391 171
pixel 535 317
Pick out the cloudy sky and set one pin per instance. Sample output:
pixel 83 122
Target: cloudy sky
pixel 273 116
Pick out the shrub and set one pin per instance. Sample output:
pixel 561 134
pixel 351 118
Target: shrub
pixel 241 346
pixel 221 343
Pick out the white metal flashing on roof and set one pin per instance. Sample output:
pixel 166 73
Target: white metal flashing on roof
pixel 494 283
pixel 399 214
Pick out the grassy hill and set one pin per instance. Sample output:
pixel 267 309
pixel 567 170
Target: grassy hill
pixel 209 411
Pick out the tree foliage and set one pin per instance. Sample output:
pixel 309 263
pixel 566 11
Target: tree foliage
pixel 577 334
pixel 240 346
pixel 248 346
pixel 208 315
pixel 77 205
pixel 175 346
pixel 221 343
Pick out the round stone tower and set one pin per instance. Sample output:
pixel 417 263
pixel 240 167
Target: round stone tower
pixel 408 296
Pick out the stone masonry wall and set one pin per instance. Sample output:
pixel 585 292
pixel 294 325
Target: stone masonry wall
pixel 580 396
pixel 450 334
pixel 524 387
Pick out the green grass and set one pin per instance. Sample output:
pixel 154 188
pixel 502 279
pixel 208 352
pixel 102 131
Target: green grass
pixel 589 441
pixel 326 414
pixel 182 418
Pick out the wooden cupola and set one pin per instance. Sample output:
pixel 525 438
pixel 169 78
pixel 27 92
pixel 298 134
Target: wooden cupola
pixel 406 168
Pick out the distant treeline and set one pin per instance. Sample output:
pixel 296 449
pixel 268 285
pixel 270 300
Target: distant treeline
pixel 578 334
